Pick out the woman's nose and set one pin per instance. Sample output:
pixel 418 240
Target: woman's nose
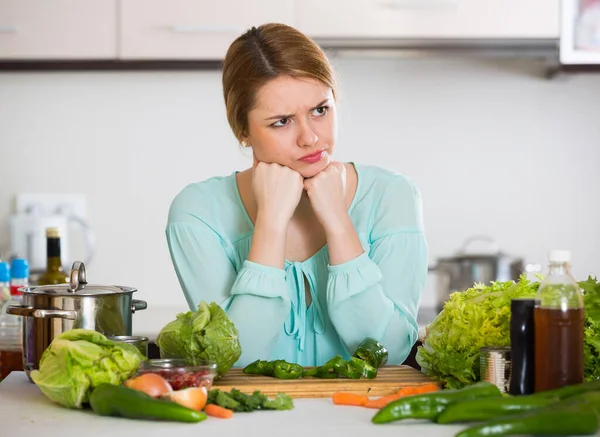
pixel 307 136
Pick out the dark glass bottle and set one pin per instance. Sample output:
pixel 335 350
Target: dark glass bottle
pixel 522 346
pixel 54 273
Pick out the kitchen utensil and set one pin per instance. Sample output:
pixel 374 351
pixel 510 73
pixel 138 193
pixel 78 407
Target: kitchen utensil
pixel 141 343
pixel 388 381
pixel 495 366
pixel 28 237
pixel 462 271
pixel 50 310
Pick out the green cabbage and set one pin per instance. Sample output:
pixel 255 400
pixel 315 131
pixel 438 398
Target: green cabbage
pixel 79 360
pixel 205 334
pixel 470 320
pixel 591 329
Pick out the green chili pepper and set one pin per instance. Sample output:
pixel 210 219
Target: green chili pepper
pixel 327 370
pixel 430 405
pixel 117 400
pixel 553 420
pixel 259 367
pixel 284 370
pixel 569 390
pixel 475 410
pixel 363 368
pixel 372 352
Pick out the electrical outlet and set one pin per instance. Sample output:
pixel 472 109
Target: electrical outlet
pixel 46 204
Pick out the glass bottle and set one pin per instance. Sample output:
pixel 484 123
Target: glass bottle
pixel 54 273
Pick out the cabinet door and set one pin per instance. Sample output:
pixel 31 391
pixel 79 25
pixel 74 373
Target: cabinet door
pixel 58 29
pixel 191 29
pixel 429 18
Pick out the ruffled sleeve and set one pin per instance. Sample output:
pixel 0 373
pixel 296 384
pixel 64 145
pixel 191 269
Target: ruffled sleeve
pixel 377 294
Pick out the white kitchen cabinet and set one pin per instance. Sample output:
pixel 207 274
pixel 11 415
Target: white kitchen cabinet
pixel 503 19
pixel 58 29
pixel 191 29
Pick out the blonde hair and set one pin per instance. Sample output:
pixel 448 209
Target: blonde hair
pixel 262 54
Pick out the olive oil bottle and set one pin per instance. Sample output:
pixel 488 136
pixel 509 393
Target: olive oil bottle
pixel 54 273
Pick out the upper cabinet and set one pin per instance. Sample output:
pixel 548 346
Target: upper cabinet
pixel 428 18
pixel 191 29
pixel 138 30
pixel 58 29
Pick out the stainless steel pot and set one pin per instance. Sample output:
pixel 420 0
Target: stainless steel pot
pixel 50 310
pixel 462 271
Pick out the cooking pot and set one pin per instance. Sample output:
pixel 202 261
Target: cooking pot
pixel 50 310
pixel 462 271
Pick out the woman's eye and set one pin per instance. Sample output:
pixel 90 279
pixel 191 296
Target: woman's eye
pixel 320 111
pixel 281 123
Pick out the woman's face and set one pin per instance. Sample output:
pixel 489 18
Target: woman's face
pixel 294 124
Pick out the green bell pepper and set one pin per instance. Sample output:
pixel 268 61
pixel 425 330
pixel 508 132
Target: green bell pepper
pixel 372 352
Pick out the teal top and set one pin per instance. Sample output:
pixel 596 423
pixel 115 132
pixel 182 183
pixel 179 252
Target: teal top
pixel 374 295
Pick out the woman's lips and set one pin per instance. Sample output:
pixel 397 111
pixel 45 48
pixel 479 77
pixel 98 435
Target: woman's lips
pixel 313 157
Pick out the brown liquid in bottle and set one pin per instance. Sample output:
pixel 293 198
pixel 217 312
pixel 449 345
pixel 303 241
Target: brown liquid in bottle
pixel 558 347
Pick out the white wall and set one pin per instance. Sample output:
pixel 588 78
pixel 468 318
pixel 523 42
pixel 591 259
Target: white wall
pixel 495 149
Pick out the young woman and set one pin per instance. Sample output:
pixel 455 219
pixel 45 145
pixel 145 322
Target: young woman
pixel 308 256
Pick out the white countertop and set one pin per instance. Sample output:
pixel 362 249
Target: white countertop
pixel 24 411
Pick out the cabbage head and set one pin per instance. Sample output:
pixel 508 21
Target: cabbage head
pixel 470 320
pixel 205 334
pixel 79 360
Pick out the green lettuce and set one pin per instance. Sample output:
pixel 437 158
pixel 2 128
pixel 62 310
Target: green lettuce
pixel 470 320
pixel 591 328
pixel 205 334
pixel 79 360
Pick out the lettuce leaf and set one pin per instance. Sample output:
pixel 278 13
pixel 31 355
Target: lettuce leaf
pixel 205 334
pixel 470 320
pixel 78 360
pixel 591 328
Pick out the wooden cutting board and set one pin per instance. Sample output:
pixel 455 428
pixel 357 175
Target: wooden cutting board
pixel 388 381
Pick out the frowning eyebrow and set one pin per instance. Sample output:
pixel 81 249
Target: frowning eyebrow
pixel 282 116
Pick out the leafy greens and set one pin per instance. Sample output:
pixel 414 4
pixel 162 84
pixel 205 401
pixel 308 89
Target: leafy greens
pixel 205 334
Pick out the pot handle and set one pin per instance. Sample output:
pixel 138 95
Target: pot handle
pixel 492 243
pixel 138 305
pixel 41 313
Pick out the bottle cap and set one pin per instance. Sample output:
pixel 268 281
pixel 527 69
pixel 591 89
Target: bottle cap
pixel 19 269
pixel 523 305
pixel 52 233
pixel 4 272
pixel 559 256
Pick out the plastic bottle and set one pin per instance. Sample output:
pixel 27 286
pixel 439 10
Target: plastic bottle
pixel 558 320
pixel 11 355
pixel 4 282
pixel 19 272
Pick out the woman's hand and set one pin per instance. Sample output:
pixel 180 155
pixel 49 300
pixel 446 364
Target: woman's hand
pixel 277 190
pixel 327 194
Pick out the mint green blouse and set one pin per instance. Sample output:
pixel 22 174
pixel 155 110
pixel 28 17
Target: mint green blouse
pixel 374 295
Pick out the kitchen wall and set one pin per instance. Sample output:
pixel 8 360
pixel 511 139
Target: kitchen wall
pixel 495 148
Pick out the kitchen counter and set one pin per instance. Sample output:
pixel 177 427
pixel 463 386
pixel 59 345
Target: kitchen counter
pixel 24 410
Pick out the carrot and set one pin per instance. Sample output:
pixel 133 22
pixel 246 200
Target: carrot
pixel 218 411
pixel 406 391
pixel 425 388
pixel 381 402
pixel 341 398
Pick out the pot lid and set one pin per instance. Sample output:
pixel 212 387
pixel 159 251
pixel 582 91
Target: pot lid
pixel 489 252
pixel 78 286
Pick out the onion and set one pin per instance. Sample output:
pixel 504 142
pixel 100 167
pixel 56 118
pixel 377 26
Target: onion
pixel 150 383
